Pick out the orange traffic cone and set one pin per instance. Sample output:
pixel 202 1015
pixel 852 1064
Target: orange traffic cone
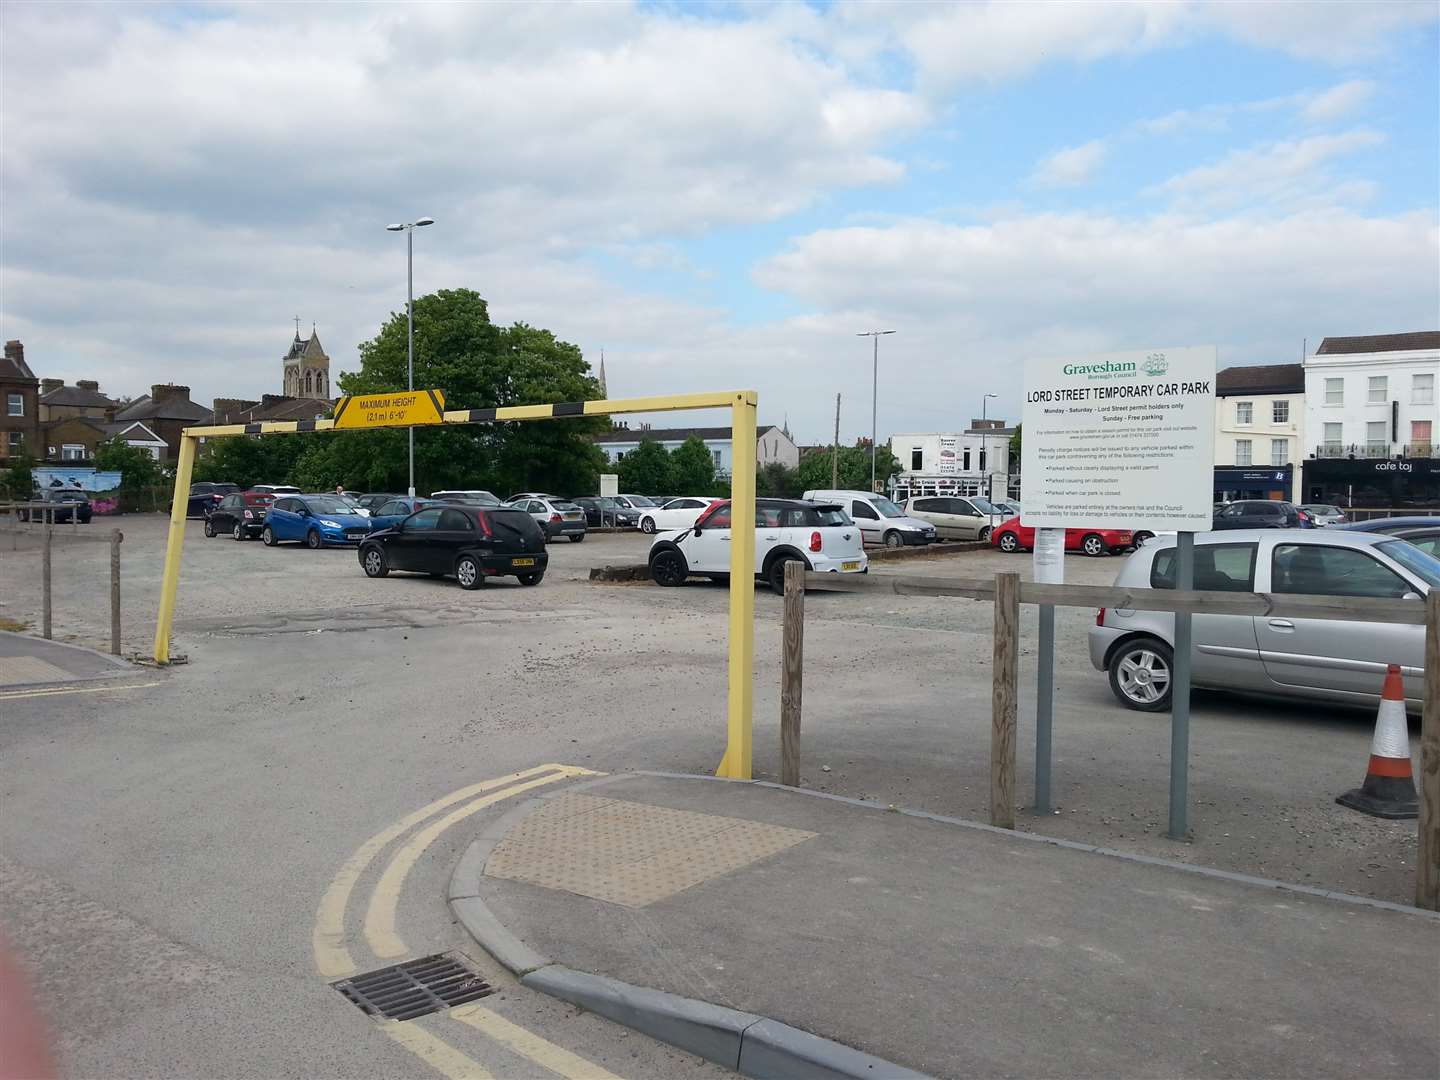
pixel 1389 788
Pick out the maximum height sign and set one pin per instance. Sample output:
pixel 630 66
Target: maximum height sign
pixel 403 408
pixel 1123 440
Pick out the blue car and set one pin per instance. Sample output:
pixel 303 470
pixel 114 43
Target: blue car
pixel 396 510
pixel 315 520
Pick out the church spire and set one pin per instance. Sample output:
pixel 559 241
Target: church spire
pixel 604 393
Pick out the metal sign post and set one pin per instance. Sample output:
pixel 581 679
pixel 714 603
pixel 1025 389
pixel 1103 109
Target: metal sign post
pixel 1180 695
pixel 1048 561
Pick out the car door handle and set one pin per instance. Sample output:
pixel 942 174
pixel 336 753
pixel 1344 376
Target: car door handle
pixel 772 536
pixel 1281 624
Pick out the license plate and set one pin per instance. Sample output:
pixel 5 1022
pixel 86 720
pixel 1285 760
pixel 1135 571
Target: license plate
pixel 849 566
pixel 522 562
pixel 572 517
pixel 355 536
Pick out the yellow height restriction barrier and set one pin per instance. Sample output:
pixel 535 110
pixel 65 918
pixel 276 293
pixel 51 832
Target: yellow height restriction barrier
pixel 396 412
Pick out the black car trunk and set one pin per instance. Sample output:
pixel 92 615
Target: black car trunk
pixel 515 531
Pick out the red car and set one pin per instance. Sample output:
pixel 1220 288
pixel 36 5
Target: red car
pixel 1012 536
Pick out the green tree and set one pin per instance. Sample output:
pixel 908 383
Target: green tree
pixel 19 479
pixel 248 460
pixel 692 467
pixel 646 470
pixel 1015 450
pixel 778 482
pixel 854 468
pixel 479 366
pixel 137 467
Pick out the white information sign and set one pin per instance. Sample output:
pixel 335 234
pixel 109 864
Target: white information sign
pixel 949 463
pixel 1047 560
pixel 1123 440
pixel 609 485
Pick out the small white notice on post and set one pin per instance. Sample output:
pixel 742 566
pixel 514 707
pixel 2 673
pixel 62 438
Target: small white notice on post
pixel 1124 440
pixel 1047 559
pixel 609 485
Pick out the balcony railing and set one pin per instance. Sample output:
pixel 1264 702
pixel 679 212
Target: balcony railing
pixel 1375 450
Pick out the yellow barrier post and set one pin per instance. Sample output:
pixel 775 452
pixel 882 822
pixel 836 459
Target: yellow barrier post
pixel 171 579
pixel 736 763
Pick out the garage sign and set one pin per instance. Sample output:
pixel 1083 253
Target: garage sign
pixel 1124 440
pixel 404 408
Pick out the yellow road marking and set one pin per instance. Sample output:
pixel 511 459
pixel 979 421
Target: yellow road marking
pixel 434 1051
pixel 48 691
pixel 529 1045
pixel 380 915
pixel 331 957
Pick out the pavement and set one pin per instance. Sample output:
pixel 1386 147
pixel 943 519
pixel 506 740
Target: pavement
pixel 937 945
pixel 33 663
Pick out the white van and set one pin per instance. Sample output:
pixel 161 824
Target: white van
pixel 880 520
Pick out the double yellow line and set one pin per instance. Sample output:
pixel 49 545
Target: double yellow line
pixel 333 959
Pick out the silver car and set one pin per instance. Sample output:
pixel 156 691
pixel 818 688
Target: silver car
pixel 554 516
pixel 955 518
pixel 1324 514
pixel 1322 659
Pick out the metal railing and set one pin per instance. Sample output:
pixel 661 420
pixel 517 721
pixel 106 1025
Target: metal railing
pixel 39 514
pixel 1370 451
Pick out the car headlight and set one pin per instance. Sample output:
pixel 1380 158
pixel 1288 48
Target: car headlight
pixel 330 524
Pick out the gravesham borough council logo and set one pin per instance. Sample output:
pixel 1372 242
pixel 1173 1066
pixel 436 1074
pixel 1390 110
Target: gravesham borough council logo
pixel 1155 364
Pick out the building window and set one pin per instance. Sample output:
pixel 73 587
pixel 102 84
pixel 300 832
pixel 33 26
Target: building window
pixel 1379 390
pixel 1420 437
pixel 1244 412
pixel 72 452
pixel 1279 451
pixel 1242 452
pixel 965 460
pixel 14 404
pixel 1422 390
pixel 917 459
pixel 717 458
pixel 1334 391
pixel 1334 435
pixel 1376 442
pixel 1280 411
pixel 17 441
pixel 982 459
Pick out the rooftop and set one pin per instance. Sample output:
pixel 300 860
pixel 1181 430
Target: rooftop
pixel 1261 379
pixel 1375 343
pixel 78 396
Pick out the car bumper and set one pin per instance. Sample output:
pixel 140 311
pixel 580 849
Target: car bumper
pixel 565 528
pixel 848 564
pixel 501 565
pixel 1100 639
pixel 347 538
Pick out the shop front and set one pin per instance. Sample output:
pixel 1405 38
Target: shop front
pixel 1233 482
pixel 1410 484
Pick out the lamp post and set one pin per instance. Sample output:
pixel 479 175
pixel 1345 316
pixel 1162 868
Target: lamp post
pixel 985 405
pixel 408 228
pixel 875 336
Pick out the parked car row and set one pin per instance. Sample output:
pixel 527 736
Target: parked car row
pixel 62 507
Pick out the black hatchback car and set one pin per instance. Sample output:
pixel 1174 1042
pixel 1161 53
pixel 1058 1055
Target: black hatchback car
pixel 1261 514
pixel 469 543
pixel 65 506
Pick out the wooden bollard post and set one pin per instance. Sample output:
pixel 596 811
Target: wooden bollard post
pixel 116 536
pixel 1427 871
pixel 792 676
pixel 45 581
pixel 1004 702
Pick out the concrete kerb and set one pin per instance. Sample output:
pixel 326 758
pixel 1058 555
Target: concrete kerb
pixel 752 1045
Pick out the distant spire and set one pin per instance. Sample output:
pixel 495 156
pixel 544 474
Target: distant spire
pixel 297 327
pixel 604 393
pixel 785 427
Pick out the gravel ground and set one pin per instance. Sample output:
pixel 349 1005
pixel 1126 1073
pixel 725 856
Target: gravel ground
pixel 897 697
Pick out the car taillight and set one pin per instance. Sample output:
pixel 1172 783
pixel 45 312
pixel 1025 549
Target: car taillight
pixel 1100 617
pixel 814 541
pixel 483 520
pixel 555 517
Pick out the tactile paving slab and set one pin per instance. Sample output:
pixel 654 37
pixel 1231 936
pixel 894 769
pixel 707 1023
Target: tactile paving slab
pixel 630 853
pixel 19 670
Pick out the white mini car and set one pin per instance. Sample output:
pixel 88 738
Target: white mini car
pixel 820 535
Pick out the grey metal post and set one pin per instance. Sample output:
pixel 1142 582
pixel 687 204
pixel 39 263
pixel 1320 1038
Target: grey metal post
pixel 45 581
pixel 115 537
pixel 1180 695
pixel 410 337
pixel 874 406
pixel 1044 707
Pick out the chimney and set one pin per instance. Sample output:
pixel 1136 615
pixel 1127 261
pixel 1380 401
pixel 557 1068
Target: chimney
pixel 15 351
pixel 88 384
pixel 46 385
pixel 169 392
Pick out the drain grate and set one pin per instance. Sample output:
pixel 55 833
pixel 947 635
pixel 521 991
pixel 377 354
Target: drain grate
pixel 415 988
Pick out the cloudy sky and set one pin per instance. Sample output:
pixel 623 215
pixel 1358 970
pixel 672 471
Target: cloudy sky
pixel 719 195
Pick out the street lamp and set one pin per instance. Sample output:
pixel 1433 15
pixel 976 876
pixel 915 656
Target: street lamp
pixel 874 335
pixel 408 228
pixel 985 404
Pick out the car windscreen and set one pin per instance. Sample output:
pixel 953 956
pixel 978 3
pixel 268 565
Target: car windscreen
pixel 330 504
pixel 985 506
pixel 565 506
pixel 831 515
pixel 641 500
pixel 608 504
pixel 1425 567
pixel 887 508
pixel 259 500
pixel 1316 508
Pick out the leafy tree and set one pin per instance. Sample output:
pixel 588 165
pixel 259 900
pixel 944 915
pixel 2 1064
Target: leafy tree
pixel 646 470
pixel 778 482
pixel 254 459
pixel 1015 450
pixel 814 470
pixel 19 479
pixel 136 465
pixel 692 466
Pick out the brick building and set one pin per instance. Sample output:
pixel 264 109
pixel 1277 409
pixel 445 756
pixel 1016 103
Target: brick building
pixel 19 404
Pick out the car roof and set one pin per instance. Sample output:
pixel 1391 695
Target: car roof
pixel 1335 537
pixel 1384 524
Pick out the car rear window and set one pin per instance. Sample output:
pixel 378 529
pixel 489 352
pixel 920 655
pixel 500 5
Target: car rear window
pixel 1218 568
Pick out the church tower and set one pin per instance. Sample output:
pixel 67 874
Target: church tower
pixel 307 368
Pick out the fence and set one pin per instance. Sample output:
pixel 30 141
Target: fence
pixel 1007 592
pixel 46 530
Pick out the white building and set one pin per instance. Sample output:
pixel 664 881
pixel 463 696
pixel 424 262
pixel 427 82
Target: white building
pixel 772 444
pixel 1259 431
pixel 1370 418
pixel 975 461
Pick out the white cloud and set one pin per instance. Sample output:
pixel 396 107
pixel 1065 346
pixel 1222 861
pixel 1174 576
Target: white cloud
pixel 1279 172
pixel 1338 102
pixel 1070 167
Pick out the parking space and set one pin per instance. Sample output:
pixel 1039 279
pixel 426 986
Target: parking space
pixel 897 696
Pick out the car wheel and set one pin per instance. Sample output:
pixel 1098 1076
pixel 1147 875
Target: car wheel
pixel 313 541
pixel 985 535
pixel 373 562
pixel 647 525
pixel 668 567
pixel 209 528
pixel 1009 543
pixel 575 538
pixel 776 575
pixel 237 533
pixel 532 579
pixel 1142 536
pixel 1140 674
pixel 893 539
pixel 467 572
pixel 1092 545
pixel 267 536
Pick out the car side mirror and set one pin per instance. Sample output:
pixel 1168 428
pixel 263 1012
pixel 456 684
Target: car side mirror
pixel 698 530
